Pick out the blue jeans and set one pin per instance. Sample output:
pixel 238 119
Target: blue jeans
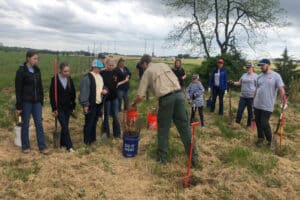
pixel 123 95
pixel 216 91
pixel 91 119
pixel 242 104
pixel 35 109
pixel 111 107
pixel 65 139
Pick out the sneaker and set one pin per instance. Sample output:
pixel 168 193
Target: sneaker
pixel 71 150
pixel 45 152
pixel 26 151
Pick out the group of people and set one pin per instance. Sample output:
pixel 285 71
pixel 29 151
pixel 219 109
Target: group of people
pixel 102 90
pixel 258 93
pixel 107 84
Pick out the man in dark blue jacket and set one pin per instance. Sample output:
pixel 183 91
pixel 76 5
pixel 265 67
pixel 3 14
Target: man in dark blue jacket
pixel 218 85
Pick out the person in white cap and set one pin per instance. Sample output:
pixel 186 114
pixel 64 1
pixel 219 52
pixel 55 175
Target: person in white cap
pixel 91 91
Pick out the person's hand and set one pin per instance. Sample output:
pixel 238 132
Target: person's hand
pixel 127 78
pixel 18 112
pixel 133 106
pixel 231 82
pixel 104 91
pixel 85 109
pixel 55 113
pixel 283 106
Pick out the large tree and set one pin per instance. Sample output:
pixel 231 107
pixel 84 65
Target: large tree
pixel 226 25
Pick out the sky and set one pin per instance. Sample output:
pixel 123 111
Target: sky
pixel 122 26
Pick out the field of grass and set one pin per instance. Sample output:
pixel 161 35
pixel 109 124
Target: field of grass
pixel 233 168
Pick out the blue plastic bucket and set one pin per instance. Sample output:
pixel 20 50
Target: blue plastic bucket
pixel 130 145
pixel 208 103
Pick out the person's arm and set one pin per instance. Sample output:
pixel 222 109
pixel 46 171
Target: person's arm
pixel 183 77
pixel 211 81
pixel 73 94
pixel 51 96
pixel 40 85
pixel 142 90
pixel 124 81
pixel 237 83
pixel 225 79
pixel 137 100
pixel 129 73
pixel 84 93
pixel 282 95
pixel 19 89
pixel 187 92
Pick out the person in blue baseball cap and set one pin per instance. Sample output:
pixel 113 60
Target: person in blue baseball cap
pixel 267 86
pixel 91 91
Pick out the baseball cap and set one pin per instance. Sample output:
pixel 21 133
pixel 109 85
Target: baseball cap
pixel 101 55
pixel 97 63
pixel 249 65
pixel 263 62
pixel 221 61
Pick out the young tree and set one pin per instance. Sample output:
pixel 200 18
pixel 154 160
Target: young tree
pixel 287 69
pixel 225 24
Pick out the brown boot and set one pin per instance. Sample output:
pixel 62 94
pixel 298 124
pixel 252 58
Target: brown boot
pixel 45 151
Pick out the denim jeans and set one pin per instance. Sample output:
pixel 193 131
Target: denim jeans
pixel 111 107
pixel 123 95
pixel 35 109
pixel 242 104
pixel 91 119
pixel 216 91
pixel 262 118
pixel 65 139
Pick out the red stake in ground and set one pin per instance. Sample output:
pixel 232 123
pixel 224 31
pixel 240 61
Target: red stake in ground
pixel 186 180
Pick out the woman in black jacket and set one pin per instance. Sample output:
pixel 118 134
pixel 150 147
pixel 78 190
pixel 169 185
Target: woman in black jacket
pixel 65 104
pixel 29 100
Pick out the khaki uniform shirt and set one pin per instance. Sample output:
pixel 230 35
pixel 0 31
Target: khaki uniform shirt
pixel 99 87
pixel 160 78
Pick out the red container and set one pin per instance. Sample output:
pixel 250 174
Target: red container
pixel 131 116
pixel 152 121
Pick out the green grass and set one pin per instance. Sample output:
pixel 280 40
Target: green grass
pixel 176 148
pixel 257 163
pixel 223 125
pixel 20 169
pixel 292 128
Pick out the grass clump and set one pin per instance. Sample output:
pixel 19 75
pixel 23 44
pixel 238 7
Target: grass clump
pixel 257 163
pixel 20 169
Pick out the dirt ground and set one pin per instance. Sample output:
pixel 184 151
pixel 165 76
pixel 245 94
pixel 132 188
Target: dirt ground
pixel 101 172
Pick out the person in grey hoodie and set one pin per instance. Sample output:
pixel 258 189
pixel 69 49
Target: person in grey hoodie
pixel 194 93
